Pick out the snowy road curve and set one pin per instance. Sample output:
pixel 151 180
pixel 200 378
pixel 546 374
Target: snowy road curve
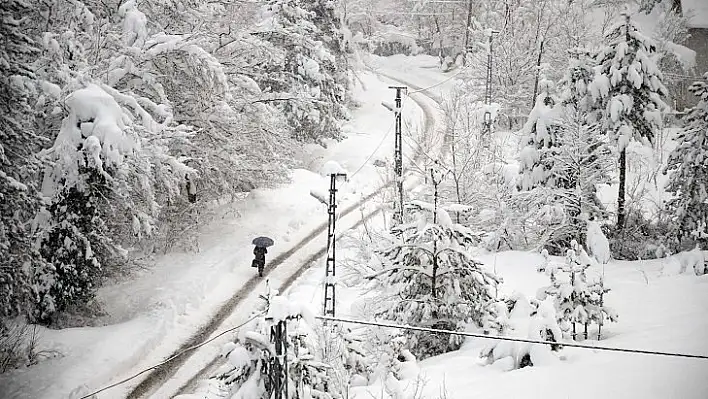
pixel 177 375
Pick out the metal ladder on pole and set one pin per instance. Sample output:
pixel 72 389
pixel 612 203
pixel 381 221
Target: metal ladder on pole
pixel 330 269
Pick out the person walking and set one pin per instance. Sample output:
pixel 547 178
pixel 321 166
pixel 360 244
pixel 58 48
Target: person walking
pixel 259 260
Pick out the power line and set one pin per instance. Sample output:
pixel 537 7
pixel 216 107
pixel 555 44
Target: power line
pixel 513 339
pixel 439 83
pixel 191 348
pixel 373 152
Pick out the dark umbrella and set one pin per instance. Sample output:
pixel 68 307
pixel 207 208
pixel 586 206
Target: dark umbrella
pixel 262 241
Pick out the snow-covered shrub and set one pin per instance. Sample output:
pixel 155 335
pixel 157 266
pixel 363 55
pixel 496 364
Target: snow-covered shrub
pixel 432 280
pixel 578 299
pixel 357 362
pixel 643 238
pixel 251 360
pixel 523 318
pixel 18 345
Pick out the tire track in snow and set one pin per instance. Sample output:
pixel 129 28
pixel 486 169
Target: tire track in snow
pixel 164 372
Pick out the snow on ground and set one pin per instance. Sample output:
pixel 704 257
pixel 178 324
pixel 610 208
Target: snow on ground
pixel 660 308
pixel 657 311
pixel 151 315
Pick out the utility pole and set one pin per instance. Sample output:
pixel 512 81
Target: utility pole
pixel 398 154
pixel 488 88
pixel 330 270
pixel 279 362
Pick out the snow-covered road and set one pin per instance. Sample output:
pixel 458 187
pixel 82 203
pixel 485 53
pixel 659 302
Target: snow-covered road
pixel 152 315
pixel 178 376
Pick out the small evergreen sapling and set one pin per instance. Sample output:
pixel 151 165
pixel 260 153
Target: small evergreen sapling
pixel 577 300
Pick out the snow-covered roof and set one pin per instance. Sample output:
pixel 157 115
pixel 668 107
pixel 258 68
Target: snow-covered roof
pixel 697 11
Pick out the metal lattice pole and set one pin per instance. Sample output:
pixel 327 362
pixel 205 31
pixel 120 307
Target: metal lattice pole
pixel 279 362
pixel 330 269
pixel 398 154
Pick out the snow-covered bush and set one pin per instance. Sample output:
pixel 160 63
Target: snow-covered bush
pixel 432 280
pixel 18 345
pixel 523 318
pixel 252 359
pixel 578 299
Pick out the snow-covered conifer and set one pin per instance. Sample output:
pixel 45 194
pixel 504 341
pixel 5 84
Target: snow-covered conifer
pixel 541 130
pixel 627 92
pixel 308 75
pixel 432 280
pixel 578 300
pixel 18 166
pixel 103 182
pixel 689 173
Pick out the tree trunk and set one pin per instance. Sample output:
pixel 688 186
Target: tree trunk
pixel 467 33
pixel 433 283
pixel 538 71
pixel 620 194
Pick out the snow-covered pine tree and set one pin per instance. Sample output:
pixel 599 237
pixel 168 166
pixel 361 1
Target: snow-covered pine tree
pixel 582 160
pixel 18 166
pixel 627 90
pixel 541 130
pixel 564 157
pixel 689 175
pixel 578 76
pixel 577 300
pixel 107 175
pixel 306 75
pixel 432 280
pixel 81 186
